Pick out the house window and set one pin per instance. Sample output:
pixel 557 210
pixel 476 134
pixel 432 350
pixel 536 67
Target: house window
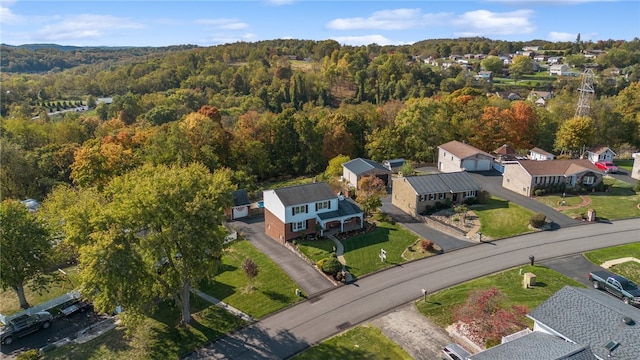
pixel 588 180
pixel 468 194
pixel 322 205
pixel 440 196
pixel 301 209
pixel 299 226
pixel 432 196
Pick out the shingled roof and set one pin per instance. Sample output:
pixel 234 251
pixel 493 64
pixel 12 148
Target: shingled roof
pixel 557 167
pixel 462 150
pixel 455 182
pixel 305 194
pixel 360 166
pixel 536 346
pixel 592 318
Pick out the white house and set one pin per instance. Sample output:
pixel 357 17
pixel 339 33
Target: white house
pixel 559 69
pixel 356 169
pixel 635 172
pixel 312 208
pixel 600 153
pixel 456 156
pixel 540 155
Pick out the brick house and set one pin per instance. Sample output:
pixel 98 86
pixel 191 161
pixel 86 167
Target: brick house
pixel 354 170
pixel 456 156
pixel 299 210
pixel 525 176
pixel 412 194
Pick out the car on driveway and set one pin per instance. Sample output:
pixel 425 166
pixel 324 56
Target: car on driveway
pixel 24 325
pixel 607 166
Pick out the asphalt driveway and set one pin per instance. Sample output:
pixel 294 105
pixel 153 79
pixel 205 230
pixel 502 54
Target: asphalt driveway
pixel 304 274
pixel 576 267
pixel 491 181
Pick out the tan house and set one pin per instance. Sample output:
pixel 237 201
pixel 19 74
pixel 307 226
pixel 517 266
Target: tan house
pixel 412 194
pixel 526 176
pixel 456 156
pixel 635 172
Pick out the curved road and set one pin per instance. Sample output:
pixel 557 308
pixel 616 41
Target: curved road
pixel 292 330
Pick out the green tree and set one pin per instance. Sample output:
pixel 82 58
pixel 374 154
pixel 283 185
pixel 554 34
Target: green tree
pixel 493 64
pixel 520 66
pixel 335 165
pixel 158 232
pixel 371 189
pixel 25 245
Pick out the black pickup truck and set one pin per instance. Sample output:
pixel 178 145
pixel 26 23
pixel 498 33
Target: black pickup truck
pixel 23 325
pixel 616 285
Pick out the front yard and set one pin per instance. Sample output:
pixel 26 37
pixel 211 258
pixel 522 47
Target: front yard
pixel 621 202
pixel 501 218
pixel 630 269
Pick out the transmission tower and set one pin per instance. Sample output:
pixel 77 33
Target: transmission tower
pixel 586 93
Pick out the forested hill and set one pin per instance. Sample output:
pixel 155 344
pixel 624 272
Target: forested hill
pixel 38 58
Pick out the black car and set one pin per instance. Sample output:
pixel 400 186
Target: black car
pixel 23 325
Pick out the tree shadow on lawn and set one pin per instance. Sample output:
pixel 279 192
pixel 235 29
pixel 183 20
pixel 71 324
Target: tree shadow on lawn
pixel 217 289
pixel 281 298
pixel 226 267
pixel 493 204
pixel 380 235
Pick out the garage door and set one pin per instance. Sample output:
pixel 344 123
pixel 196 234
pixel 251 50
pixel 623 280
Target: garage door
pixel 240 212
pixel 469 165
pixel 483 165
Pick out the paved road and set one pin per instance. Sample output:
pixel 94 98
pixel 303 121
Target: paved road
pixel 309 279
pixel 624 175
pixel 288 332
pixel 491 181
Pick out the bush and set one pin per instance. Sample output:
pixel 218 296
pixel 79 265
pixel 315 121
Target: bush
pixel 539 192
pixel 483 197
pixel 331 266
pixel 426 245
pixel 32 354
pixel 537 220
pixel 321 262
pixel 637 187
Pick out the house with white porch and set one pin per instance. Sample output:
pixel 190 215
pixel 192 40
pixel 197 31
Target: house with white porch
pixel 308 209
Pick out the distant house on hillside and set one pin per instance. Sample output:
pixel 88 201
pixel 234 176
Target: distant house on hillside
pixel 559 69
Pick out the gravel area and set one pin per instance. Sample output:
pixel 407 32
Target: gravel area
pixel 416 334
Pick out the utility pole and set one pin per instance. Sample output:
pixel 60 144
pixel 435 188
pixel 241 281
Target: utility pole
pixel 586 93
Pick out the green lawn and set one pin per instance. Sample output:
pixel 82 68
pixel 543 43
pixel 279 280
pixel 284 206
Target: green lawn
pixel 362 253
pixel 439 306
pixel 626 164
pixel 555 200
pixel 620 203
pixel 501 218
pixel 158 337
pixel 315 250
pixel 630 270
pixel 272 289
pixel 9 303
pixel 362 342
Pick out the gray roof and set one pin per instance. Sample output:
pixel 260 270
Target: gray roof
pixel 240 197
pixel 536 346
pixel 346 207
pixel 455 182
pixel 394 162
pixel 360 166
pixel 304 194
pixel 592 318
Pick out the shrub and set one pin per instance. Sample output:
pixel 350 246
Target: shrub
pixel 537 220
pixel 32 354
pixel 321 262
pixel 637 187
pixel 426 245
pixel 483 197
pixel 331 266
pixel 539 192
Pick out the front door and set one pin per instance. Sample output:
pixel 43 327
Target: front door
pixel 455 197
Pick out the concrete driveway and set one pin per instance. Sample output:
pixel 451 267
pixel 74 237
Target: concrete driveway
pixel 303 273
pixel 491 181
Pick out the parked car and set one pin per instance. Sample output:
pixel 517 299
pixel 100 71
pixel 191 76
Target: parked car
pixel 74 306
pixel 24 325
pixel 607 166
pixel 454 351
pixel 616 285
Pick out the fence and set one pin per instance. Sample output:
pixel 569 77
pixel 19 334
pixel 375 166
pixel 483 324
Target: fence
pixel 43 306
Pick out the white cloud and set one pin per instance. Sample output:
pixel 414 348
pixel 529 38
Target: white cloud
pixel 398 19
pixel 85 26
pixel 8 17
pixel 561 36
pixel 484 22
pixel 225 24
pixel 231 38
pixel 364 40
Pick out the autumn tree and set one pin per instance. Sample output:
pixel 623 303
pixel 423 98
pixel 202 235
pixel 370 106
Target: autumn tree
pixel 371 190
pixel 484 317
pixel 26 249
pixel 250 269
pixel 575 134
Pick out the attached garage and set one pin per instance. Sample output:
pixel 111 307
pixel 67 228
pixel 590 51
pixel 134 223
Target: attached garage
pixel 476 164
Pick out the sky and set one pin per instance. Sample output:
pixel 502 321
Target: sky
pixel 214 22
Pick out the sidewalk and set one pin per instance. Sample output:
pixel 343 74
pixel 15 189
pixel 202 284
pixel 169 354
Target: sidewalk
pixel 223 305
pixel 340 255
